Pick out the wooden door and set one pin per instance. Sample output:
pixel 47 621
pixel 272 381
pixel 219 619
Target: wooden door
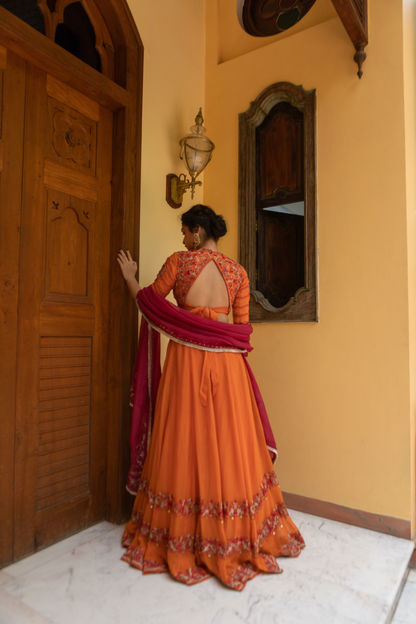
pixel 12 113
pixel 62 342
pixel 68 136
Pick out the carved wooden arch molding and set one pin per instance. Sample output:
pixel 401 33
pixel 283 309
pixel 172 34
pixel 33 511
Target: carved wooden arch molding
pixel 119 89
pixel 263 18
pixel 103 41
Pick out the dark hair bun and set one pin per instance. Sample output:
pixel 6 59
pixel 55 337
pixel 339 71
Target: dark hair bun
pixel 218 227
pixel 204 216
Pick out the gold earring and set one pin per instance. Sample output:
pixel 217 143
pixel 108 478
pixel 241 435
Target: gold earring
pixel 197 241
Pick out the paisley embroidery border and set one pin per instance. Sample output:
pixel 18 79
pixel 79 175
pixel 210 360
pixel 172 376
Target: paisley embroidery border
pixel 214 547
pixel 237 580
pixel 240 576
pixel 192 576
pixel 135 557
pixel 211 509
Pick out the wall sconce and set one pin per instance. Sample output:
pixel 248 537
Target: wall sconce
pixel 196 152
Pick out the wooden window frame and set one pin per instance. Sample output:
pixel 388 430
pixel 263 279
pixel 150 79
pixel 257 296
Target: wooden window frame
pixel 303 306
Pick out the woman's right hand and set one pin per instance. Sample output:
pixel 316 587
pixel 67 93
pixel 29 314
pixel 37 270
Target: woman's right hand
pixel 127 265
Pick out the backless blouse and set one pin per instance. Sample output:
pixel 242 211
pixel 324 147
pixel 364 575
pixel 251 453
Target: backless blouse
pixel 183 267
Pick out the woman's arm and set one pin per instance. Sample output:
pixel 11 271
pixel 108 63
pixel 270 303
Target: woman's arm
pixel 242 302
pixel 129 269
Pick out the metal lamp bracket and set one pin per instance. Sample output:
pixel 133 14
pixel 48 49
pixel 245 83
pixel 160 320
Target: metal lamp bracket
pixel 176 186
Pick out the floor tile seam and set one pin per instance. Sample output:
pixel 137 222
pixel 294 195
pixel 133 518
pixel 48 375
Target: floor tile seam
pixel 403 559
pixel 26 576
pixel 412 575
pixel 351 527
pixel 3 580
pixel 395 604
pixel 374 535
pixel 362 594
pixel 57 556
pixel 405 544
pixel 389 600
pixel 365 550
pixel 23 606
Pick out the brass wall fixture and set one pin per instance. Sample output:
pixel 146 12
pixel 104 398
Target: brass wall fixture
pixel 196 152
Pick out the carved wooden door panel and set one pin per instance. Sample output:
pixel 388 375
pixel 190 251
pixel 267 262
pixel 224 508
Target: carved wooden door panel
pixel 63 308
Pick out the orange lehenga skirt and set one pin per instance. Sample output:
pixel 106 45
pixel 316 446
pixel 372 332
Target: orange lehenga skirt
pixel 209 501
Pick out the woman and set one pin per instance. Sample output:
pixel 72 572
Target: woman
pixel 208 500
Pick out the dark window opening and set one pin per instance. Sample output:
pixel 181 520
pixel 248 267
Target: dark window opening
pixel 280 204
pixel 27 11
pixel 77 36
pixel 281 270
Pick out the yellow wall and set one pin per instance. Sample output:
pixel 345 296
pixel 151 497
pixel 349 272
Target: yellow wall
pixel 173 35
pixel 337 391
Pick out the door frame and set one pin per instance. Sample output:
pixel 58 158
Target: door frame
pixel 124 97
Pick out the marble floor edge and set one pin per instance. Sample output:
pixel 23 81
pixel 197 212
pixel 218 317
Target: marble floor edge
pixel 393 609
pixel 406 609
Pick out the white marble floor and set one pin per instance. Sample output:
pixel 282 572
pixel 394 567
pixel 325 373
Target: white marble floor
pixel 346 575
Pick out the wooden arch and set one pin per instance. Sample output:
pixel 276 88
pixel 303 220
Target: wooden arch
pixel 119 89
pixel 104 44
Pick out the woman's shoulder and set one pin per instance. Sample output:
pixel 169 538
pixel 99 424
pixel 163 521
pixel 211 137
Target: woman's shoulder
pixel 200 256
pixel 195 256
pixel 170 264
pixel 172 260
pixel 231 264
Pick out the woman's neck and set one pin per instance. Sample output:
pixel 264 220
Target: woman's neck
pixel 209 244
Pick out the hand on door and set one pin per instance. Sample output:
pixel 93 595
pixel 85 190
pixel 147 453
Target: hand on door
pixel 129 269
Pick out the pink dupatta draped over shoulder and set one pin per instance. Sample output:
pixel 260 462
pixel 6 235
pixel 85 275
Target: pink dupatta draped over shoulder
pixel 161 316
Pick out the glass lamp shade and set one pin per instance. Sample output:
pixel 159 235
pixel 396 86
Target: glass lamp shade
pixel 196 148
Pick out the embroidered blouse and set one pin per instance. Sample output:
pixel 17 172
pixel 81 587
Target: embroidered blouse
pixel 183 267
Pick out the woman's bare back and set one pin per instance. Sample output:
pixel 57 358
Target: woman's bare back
pixel 209 290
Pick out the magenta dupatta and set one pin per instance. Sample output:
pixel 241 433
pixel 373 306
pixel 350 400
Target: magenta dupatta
pixel 161 316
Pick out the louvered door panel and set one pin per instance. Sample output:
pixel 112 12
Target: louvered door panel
pixel 63 394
